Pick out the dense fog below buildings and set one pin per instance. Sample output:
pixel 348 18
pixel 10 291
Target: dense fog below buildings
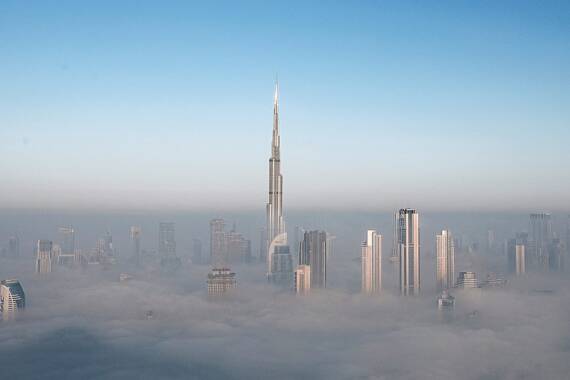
pixel 85 323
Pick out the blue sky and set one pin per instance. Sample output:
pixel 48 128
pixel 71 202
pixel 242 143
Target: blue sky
pixel 167 105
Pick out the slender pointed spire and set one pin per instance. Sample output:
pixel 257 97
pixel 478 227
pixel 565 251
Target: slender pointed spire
pixel 276 139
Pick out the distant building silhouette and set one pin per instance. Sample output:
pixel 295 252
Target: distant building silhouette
pixel 467 280
pixel 44 256
pixel 135 240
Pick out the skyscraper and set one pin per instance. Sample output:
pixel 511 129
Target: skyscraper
pixel 281 270
pixel 275 225
pixel 445 274
pixel 372 263
pixel 540 236
pixel 166 239
pixel 313 252
pixel 303 279
pixel 167 247
pixel 409 251
pixel 516 254
pixel 44 256
pixel 67 243
pixel 12 298
pixel 217 242
pixel 135 236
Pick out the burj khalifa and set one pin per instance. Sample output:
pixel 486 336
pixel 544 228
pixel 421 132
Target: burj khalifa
pixel 278 257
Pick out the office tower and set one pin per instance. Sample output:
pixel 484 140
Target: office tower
pixel 281 269
pixel 12 298
pixel 517 254
pixel 313 252
pixel 238 248
pixel 467 280
pixel 135 239
pixel 166 239
pixel 445 301
pixel 303 279
pixel 104 249
pixel 67 243
pixel 445 257
pixel 44 256
pixel 167 247
pixel 372 263
pixel 56 253
pixel 220 281
pixel 275 225
pixel 540 236
pixel 218 242
pixel 14 246
pixel 197 251
pixel 556 255
pixel 409 251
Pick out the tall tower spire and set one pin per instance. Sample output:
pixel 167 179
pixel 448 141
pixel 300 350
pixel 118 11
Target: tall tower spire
pixel 275 143
pixel 275 225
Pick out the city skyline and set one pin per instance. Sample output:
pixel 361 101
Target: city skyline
pixel 138 113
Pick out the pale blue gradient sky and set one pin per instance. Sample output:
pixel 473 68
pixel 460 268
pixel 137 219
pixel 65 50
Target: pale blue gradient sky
pixel 455 105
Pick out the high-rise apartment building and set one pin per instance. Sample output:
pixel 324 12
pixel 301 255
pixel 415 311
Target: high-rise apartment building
pixel 67 244
pixel 303 279
pixel 44 256
pixel 517 251
pixel 540 236
pixel 371 263
pixel 409 251
pixel 281 270
pixel 445 260
pixel 218 242
pixel 220 281
pixel 166 239
pixel 313 252
pixel 12 298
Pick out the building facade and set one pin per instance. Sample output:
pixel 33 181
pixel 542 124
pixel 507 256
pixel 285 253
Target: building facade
pixel 12 298
pixel 467 280
pixel 303 279
pixel 44 256
pixel 409 251
pixel 540 236
pixel 220 281
pixel 371 263
pixel 445 260
pixel 218 242
pixel 313 252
